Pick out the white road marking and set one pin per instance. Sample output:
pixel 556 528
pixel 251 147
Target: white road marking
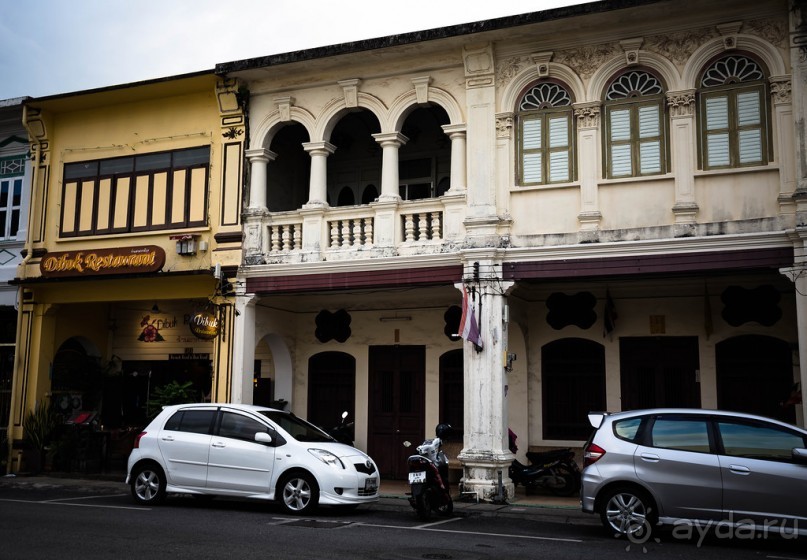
pixel 449 520
pixel 84 498
pixel 57 503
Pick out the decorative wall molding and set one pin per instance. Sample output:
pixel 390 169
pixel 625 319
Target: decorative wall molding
pixel 587 114
pixel 504 125
pixel 681 103
pixel 781 89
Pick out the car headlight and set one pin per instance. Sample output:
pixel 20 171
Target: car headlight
pixel 327 457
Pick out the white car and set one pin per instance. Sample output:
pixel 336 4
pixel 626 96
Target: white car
pixel 249 452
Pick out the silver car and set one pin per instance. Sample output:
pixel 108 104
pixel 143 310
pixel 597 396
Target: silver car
pixel 695 468
pixel 247 451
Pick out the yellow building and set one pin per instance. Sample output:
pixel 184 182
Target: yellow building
pixel 134 231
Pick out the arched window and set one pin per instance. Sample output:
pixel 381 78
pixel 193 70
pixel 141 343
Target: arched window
pixel 546 135
pixel 733 114
pixel 635 126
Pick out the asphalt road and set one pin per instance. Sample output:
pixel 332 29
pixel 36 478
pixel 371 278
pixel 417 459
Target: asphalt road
pixel 87 522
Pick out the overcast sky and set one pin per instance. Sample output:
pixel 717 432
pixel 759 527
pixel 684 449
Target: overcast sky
pixel 49 47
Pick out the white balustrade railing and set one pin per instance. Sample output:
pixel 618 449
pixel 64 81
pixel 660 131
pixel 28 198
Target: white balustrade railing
pixel 352 232
pixel 422 225
pixel 285 238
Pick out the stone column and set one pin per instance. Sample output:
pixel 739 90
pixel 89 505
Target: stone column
pixel 318 183
pixel 485 456
pixel 390 143
pixel 588 170
pixel 259 159
pixel 459 177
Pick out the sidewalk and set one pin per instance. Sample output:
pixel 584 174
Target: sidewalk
pixel 392 494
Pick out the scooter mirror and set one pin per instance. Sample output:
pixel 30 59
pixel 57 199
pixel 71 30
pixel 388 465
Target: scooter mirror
pixel 344 415
pixel 407 443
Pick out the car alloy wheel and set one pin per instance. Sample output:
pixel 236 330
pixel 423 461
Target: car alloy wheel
pixel 148 485
pixel 299 493
pixel 627 512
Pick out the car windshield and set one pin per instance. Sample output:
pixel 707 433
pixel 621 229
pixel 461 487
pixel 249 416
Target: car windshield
pixel 296 427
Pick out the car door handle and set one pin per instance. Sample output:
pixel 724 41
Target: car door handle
pixel 167 438
pixel 650 457
pixel 739 469
pixel 219 444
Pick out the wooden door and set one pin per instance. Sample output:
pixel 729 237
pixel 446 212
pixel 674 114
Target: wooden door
pixel 397 405
pixel 659 372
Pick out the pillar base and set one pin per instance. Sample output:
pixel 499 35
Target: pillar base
pixel 485 475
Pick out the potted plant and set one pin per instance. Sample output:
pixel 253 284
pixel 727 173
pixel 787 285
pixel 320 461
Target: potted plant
pixel 171 393
pixel 39 426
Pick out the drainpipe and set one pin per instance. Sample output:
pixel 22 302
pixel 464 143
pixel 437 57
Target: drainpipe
pixel 34 182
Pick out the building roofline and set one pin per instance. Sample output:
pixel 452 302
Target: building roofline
pixel 429 35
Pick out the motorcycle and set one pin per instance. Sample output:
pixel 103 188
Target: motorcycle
pixel 428 477
pixel 555 470
pixel 343 432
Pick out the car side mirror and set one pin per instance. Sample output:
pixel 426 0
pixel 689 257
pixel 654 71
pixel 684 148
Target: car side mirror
pixel 799 455
pixel 263 437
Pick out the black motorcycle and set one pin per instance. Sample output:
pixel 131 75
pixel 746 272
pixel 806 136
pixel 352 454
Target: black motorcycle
pixel 428 477
pixel 343 433
pixel 555 470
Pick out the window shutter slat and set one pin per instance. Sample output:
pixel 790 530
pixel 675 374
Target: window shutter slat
pixel 532 167
pixel 717 113
pixel 718 149
pixel 648 121
pixel 750 146
pixel 558 132
pixel 620 124
pixel 748 111
pixel 650 157
pixel 559 166
pixel 620 160
pixel 532 134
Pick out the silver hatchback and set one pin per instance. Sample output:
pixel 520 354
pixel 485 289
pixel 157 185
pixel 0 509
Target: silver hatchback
pixel 695 468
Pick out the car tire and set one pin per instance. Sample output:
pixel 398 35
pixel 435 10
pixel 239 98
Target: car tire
pixel 423 505
pixel 148 484
pixel 298 493
pixel 628 511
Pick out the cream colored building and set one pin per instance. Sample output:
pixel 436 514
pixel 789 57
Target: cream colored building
pixel 619 185
pixel 135 220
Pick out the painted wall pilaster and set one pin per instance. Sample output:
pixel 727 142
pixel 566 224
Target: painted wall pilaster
pixel 588 146
pixel 681 105
pixel 798 62
pixel 785 142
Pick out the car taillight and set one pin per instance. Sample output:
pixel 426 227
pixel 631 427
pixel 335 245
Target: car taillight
pixel 137 440
pixel 592 454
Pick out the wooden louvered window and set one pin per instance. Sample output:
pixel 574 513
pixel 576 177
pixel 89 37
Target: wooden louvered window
pixel 546 135
pixel 635 126
pixel 733 114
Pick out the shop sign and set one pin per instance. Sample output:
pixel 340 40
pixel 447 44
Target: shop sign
pixel 101 262
pixel 204 324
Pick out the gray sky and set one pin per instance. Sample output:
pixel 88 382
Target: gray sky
pixel 49 47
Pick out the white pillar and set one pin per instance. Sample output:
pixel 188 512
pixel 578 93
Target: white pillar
pixel 244 349
pixel 485 456
pixel 459 172
pixel 318 183
pixel 390 142
pixel 259 159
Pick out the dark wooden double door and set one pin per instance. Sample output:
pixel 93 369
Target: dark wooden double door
pixel 660 372
pixel 397 406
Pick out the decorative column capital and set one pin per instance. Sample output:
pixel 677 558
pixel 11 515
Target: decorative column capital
pixel 781 89
pixel 455 130
pixel 504 125
pixel 319 148
pixel 587 114
pixel 260 154
pixel 681 103
pixel 390 139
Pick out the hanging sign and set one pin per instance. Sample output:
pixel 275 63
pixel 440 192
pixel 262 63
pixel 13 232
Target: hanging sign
pixel 101 262
pixel 204 324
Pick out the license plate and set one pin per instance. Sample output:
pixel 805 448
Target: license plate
pixel 417 477
pixel 371 485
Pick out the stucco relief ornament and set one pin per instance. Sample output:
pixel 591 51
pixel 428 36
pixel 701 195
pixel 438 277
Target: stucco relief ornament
pixel 509 69
pixel 772 30
pixel 678 47
pixel 681 103
pixel 586 60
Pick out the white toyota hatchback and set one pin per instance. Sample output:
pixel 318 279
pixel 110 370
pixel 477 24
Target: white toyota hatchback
pixel 250 452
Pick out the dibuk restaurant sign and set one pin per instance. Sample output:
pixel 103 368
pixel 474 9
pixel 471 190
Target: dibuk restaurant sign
pixel 101 262
pixel 204 324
